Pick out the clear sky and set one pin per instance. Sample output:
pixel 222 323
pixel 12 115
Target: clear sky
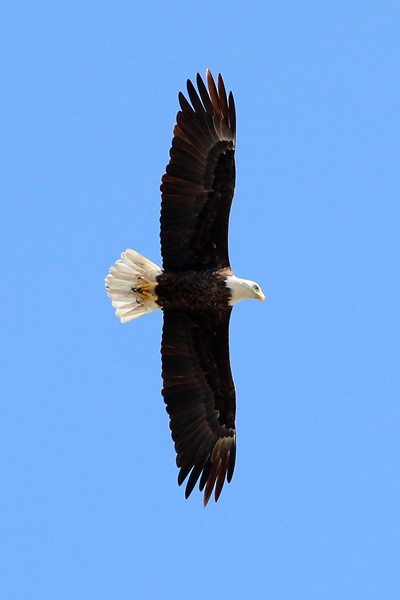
pixel 90 506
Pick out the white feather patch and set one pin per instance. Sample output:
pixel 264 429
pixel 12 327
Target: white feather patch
pixel 123 285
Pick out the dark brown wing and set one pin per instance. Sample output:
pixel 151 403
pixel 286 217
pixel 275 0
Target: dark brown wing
pixel 197 188
pixel 200 396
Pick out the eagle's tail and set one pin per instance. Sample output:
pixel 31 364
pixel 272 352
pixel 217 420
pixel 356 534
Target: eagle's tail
pixel 131 286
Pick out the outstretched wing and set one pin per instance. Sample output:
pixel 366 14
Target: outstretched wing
pixel 200 396
pixel 197 188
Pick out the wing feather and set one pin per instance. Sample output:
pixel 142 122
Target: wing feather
pixel 199 394
pixel 198 186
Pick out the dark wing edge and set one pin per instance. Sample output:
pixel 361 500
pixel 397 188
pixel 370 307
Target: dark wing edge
pixel 199 393
pixel 198 186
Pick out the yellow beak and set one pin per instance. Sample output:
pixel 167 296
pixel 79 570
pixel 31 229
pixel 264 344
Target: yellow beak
pixel 260 295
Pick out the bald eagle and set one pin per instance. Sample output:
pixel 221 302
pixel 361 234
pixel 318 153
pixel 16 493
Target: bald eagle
pixel 195 288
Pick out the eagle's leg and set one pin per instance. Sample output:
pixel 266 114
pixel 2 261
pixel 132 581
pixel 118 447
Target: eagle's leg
pixel 145 289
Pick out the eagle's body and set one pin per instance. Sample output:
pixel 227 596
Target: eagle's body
pixel 196 288
pixel 202 290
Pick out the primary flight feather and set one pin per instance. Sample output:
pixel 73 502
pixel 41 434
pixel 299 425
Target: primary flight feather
pixel 195 288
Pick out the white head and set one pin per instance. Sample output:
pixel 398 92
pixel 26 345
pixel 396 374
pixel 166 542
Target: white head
pixel 242 289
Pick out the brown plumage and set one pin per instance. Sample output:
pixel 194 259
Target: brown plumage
pixel 196 288
pixel 197 191
pixel 197 188
pixel 200 396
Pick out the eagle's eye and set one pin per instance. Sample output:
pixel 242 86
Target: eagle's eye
pixel 256 288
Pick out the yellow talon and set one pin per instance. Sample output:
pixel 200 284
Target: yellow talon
pixel 146 289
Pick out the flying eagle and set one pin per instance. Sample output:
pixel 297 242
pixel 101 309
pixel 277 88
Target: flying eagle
pixel 195 288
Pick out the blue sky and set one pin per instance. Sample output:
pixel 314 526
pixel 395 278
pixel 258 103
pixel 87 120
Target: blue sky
pixel 90 505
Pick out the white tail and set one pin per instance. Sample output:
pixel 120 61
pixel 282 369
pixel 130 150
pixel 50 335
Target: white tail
pixel 131 286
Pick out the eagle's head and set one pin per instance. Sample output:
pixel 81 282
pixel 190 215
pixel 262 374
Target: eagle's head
pixel 242 288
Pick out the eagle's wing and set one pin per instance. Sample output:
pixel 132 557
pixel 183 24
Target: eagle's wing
pixel 197 188
pixel 200 396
